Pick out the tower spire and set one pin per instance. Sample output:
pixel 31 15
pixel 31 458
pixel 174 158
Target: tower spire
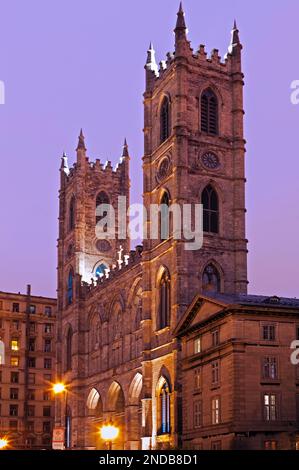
pixel 64 167
pixel 235 40
pixel 81 141
pixel 151 64
pixel 180 30
pixel 125 149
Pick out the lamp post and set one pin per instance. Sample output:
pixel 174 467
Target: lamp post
pixel 60 388
pixel 109 432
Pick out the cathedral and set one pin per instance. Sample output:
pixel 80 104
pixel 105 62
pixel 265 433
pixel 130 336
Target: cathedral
pixel 161 341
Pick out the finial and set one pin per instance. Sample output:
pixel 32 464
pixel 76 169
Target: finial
pixel 125 149
pixel 151 59
pixel 180 30
pixel 235 40
pixel 81 141
pixel 180 22
pixel 64 164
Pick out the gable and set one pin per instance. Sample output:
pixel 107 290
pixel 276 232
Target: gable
pixel 200 310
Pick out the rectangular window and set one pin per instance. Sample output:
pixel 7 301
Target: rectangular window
pixel 48 328
pixel 14 394
pixel 47 396
pixel 32 309
pixel 15 307
pixel 31 410
pixel 197 345
pixel 14 344
pixel 16 324
pixel 270 406
pixel 216 445
pixel 215 372
pixel 48 311
pixel 48 377
pixel 297 332
pixel 13 410
pixel 31 379
pixel 270 369
pixel 14 377
pixel 47 411
pixel 268 332
pixel 31 362
pixel 197 379
pixel 32 344
pixel 13 425
pixel 215 337
pixel 32 327
pixel 31 394
pixel 270 445
pixel 47 363
pixel 216 410
pixel 14 361
pixel 197 414
pixel 47 345
pixel 0 376
pixel 47 427
pixel 30 426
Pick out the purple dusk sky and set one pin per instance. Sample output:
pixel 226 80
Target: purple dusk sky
pixel 68 64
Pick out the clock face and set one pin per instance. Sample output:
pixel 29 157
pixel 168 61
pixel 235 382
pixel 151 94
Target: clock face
pixel 210 160
pixel 164 168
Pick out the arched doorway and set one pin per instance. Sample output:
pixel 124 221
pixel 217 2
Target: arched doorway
pixel 134 414
pixel 95 419
pixel 116 413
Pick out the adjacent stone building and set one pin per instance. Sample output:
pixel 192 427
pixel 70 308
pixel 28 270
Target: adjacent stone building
pixel 120 348
pixel 239 387
pixel 27 369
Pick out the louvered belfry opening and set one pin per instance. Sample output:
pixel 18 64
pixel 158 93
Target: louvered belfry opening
pixel 209 112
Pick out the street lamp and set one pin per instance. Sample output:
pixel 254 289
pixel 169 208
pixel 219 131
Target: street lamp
pixel 109 433
pixel 59 388
pixel 3 443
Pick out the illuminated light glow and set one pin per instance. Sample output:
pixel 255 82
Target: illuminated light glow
pixel 109 432
pixel 3 443
pixel 59 388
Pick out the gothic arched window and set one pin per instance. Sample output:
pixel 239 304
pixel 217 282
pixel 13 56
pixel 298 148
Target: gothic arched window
pixel 164 409
pixel 72 214
pixel 209 112
pixel 102 198
pixel 165 120
pixel 69 340
pixel 164 216
pixel 2 353
pixel 164 301
pixel 211 279
pixel 209 200
pixel 70 287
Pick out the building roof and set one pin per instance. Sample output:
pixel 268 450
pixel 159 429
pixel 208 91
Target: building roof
pixel 258 300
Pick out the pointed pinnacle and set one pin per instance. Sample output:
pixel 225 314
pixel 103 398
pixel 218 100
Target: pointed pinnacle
pixel 125 149
pixel 235 24
pixel 81 141
pixel 180 22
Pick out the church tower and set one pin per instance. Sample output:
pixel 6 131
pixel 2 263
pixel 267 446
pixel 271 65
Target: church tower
pixel 83 256
pixel 194 153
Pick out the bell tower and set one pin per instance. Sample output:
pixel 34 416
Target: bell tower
pixel 194 152
pixel 84 188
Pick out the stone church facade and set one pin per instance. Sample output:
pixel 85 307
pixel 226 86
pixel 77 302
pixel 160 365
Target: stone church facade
pixel 119 349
